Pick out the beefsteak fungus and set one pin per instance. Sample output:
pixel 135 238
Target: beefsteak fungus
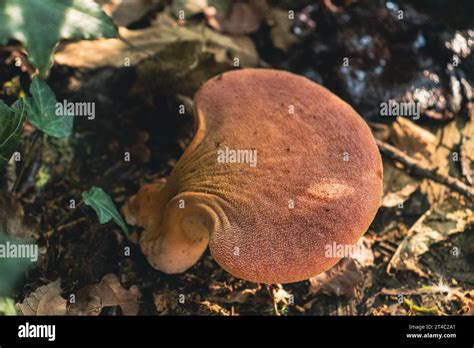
pixel 279 169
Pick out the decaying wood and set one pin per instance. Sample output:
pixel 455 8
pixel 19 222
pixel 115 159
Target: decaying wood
pixel 418 168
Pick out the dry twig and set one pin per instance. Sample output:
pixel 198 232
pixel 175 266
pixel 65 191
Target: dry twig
pixel 418 168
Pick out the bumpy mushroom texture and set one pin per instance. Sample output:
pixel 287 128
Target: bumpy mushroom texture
pixel 318 180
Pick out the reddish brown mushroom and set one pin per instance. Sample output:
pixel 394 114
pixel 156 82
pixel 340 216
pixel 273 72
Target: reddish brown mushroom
pixel 308 175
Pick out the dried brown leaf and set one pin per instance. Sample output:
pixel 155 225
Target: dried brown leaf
pixel 468 303
pixel 214 308
pixel 340 280
pixel 125 12
pixel 434 226
pixel 281 33
pixel 109 292
pixel 448 138
pixel 241 296
pixel 467 151
pixel 194 7
pixel 46 300
pixel 412 139
pixel 243 18
pixel 164 35
pixel 363 252
pixel 164 302
pixel 398 186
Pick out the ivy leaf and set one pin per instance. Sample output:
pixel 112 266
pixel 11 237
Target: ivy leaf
pixel 42 111
pixel 41 24
pixel 7 306
pixel 104 207
pixel 11 121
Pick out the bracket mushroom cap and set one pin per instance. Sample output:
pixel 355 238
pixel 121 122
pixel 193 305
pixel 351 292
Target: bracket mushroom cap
pixel 316 180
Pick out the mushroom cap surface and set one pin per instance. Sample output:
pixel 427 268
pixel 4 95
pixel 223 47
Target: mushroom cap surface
pixel 317 181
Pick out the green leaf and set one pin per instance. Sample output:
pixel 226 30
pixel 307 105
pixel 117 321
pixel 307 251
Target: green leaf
pixel 7 306
pixel 104 207
pixel 11 268
pixel 41 24
pixel 42 111
pixel 11 121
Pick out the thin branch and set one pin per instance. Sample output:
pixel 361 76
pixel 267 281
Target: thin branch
pixel 49 233
pixel 418 168
pixel 28 160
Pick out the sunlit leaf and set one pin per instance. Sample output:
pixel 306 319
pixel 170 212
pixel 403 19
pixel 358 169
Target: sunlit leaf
pixel 104 207
pixel 40 24
pixel 7 306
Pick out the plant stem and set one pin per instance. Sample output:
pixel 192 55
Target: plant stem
pixel 418 168
pixel 28 160
pixel 69 215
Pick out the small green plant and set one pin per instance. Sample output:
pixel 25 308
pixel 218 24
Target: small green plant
pixel 104 207
pixel 41 110
pixel 11 121
pixel 40 24
pixel 25 21
pixel 7 306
